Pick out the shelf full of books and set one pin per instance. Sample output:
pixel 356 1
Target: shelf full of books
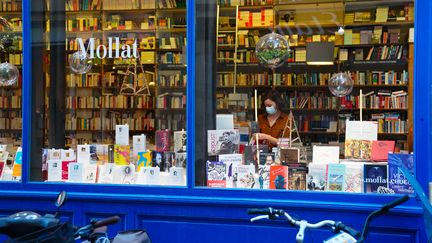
pixel 114 91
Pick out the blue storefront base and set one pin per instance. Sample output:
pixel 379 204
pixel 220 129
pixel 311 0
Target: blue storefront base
pixel 194 214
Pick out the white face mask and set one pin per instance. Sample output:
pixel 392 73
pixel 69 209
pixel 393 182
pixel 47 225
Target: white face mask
pixel 271 110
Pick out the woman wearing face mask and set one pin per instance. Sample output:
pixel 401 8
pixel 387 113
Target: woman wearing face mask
pixel 272 123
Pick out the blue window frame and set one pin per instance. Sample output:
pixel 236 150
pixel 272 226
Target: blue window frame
pixel 422 124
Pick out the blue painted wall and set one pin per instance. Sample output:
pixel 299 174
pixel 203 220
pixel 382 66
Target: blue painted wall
pixel 212 215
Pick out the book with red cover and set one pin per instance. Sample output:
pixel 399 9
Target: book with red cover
pixel 279 177
pixel 380 150
pixel 65 169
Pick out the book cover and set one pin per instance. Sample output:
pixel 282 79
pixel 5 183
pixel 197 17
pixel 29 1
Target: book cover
pixel 2 166
pixel 75 172
pixel 336 177
pixel 121 154
pixel 67 154
pixel 157 158
pixel 54 170
pixel 90 173
pixel 16 168
pixel 397 181
pixel 102 152
pixel 381 149
pixel 244 176
pixel 353 177
pixel 124 174
pixel 223 142
pixel 374 176
pixel 297 177
pixel 65 170
pixel 168 161
pixel 250 154
pixel 230 160
pixel 180 141
pixel 93 154
pixel 358 149
pixel 163 140
pixel 278 177
pixel 325 154
pixel 267 159
pixel 139 144
pixel 216 174
pixel 180 160
pixel 122 134
pixel 264 176
pixel 317 177
pixel 83 154
pixel 144 160
pixel 289 155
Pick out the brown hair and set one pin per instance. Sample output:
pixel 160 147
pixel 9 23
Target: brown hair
pixel 274 96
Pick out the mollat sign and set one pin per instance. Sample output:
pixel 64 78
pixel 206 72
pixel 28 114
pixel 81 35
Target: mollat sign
pixel 101 51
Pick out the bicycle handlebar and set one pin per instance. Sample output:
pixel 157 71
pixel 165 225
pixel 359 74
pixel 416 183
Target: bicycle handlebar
pixel 106 221
pixel 396 202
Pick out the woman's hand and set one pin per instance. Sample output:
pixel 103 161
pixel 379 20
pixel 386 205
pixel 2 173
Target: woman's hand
pixel 261 136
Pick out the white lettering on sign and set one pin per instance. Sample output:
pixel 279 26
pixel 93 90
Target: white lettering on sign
pixel 101 51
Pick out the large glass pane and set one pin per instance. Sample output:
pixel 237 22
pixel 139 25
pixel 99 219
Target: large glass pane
pixel 115 92
pixel 313 95
pixel 11 90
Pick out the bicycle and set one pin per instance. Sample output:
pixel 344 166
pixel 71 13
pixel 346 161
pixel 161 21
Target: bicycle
pixel 343 232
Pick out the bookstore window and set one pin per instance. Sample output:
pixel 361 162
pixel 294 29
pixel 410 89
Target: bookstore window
pixel 11 90
pixel 114 82
pixel 313 95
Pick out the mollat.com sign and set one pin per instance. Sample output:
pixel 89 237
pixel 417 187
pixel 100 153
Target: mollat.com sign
pixel 113 50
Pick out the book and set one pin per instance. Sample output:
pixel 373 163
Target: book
pixel 397 181
pixel 177 176
pixel 222 141
pixel 375 176
pixel 353 177
pixel 67 154
pixel 124 174
pixel 54 169
pixel 336 177
pixel 106 173
pixel 297 176
pixel 157 159
pixel 316 177
pixel 264 176
pixel 180 160
pixel 358 149
pixel 244 176
pixel 144 159
pixel 139 144
pixel 122 154
pixel 216 174
pixel 163 140
pixel 102 152
pixel 325 154
pixel 2 167
pixel 231 161
pixel 65 170
pixel 381 149
pixel 278 177
pixel 90 173
pixel 267 159
pixel 289 155
pixel 76 172
pixel 122 134
pixel 168 161
pixel 83 154
pixel 180 141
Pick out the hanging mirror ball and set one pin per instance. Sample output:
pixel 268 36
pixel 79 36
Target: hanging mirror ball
pixel 340 84
pixel 80 62
pixel 9 74
pixel 272 50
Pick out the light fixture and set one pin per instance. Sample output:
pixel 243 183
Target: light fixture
pixel 320 53
pixel 340 31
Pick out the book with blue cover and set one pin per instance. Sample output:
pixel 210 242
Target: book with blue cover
pixel 397 181
pixel 375 176
pixel 336 177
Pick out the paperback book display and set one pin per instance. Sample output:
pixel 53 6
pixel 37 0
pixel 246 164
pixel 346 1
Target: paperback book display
pixel 363 164
pixel 129 161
